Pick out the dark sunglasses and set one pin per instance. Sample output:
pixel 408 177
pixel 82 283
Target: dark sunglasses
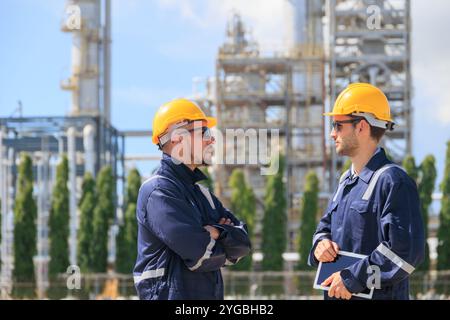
pixel 206 132
pixel 337 125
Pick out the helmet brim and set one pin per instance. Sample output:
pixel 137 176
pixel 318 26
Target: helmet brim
pixel 211 122
pixel 331 114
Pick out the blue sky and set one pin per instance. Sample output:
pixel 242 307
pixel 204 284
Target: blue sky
pixel 160 45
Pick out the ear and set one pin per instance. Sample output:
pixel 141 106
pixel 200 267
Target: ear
pixel 362 124
pixel 365 126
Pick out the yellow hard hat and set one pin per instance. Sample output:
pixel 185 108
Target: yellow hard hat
pixel 174 112
pixel 362 99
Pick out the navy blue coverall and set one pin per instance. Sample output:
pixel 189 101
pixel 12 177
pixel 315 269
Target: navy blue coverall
pixel 177 258
pixel 376 214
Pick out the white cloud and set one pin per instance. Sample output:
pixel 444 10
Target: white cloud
pixel 263 18
pixel 430 58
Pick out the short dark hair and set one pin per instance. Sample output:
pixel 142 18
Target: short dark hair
pixel 376 133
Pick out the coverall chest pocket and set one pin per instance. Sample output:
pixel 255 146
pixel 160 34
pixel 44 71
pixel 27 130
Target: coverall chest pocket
pixel 336 219
pixel 361 219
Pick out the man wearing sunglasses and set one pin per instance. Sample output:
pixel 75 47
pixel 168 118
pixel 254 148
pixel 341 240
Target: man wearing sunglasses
pixel 185 235
pixel 375 209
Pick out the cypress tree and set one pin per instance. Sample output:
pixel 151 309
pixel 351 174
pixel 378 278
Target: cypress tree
pixel 274 222
pixel 103 217
pixel 86 206
pixel 409 164
pixel 127 237
pixel 443 248
pixel 243 205
pixel 308 211
pixel 25 231
pixel 59 222
pixel 426 187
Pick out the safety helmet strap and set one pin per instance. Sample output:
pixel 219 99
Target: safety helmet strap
pixel 374 122
pixel 164 138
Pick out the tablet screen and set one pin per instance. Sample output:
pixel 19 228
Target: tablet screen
pixel 343 260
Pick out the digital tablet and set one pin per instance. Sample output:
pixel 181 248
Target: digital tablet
pixel 343 260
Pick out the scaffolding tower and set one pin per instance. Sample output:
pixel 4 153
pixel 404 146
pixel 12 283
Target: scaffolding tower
pixel 284 92
pixel 370 42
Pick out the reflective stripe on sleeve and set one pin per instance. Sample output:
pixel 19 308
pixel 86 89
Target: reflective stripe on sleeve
pixel 205 256
pixel 388 253
pixel 149 274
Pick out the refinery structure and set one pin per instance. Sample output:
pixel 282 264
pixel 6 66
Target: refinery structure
pixel 329 44
pixel 85 135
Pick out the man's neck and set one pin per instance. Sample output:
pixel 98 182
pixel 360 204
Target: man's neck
pixel 361 159
pixel 180 159
pixel 191 166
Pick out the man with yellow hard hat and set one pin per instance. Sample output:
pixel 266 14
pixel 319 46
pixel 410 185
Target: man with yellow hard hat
pixel 185 235
pixel 375 209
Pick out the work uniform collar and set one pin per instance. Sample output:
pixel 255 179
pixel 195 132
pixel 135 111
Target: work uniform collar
pixel 378 160
pixel 182 171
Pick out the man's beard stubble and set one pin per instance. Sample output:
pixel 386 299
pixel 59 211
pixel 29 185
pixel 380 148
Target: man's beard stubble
pixel 348 146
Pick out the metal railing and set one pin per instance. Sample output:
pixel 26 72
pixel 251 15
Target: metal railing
pixel 284 285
